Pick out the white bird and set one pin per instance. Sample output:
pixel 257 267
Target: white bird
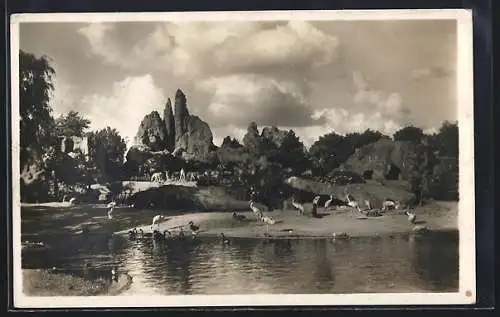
pixel 298 206
pixel 268 220
pixel 352 202
pixel 329 202
pixel 156 221
pixel 255 209
pixel 111 204
pixel 110 213
pixel 411 216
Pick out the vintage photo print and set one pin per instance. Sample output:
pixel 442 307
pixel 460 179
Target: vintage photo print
pixel 243 158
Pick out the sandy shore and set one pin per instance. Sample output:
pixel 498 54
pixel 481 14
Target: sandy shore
pixel 434 216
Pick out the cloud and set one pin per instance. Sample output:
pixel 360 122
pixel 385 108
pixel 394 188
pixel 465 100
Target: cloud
pixel 125 106
pixel 183 48
pixel 343 121
pixel 429 73
pixel 387 104
pixel 240 99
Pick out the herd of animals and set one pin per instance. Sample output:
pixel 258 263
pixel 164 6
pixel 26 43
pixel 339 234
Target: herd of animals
pixel 167 235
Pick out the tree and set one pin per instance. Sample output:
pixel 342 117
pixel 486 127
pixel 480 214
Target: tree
pixel 106 152
pixel 447 139
pixel 409 133
pixel 71 124
pixel 35 88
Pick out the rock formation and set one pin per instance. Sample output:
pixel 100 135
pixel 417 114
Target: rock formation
pixel 384 159
pixel 178 132
pixel 168 117
pixel 152 132
pixel 275 135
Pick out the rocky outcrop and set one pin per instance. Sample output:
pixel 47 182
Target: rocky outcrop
pixel 152 132
pixel 180 119
pixel 141 161
pixel 177 132
pixel 275 135
pixel 384 159
pixel 168 117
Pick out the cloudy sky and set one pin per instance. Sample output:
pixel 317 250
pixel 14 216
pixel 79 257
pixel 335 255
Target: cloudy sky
pixel 313 76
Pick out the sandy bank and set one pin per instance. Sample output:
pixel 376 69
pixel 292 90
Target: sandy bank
pixel 37 282
pixel 435 216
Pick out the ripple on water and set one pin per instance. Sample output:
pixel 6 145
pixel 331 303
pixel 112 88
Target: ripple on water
pixel 250 266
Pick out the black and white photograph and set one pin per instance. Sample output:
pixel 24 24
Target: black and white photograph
pixel 242 158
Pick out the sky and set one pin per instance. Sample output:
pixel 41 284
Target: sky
pixel 314 77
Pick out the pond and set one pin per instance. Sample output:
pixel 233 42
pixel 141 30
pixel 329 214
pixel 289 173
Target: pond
pixel 423 263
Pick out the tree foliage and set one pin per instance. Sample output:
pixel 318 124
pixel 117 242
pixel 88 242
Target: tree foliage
pixel 106 152
pixel 71 124
pixel 35 87
pixel 409 133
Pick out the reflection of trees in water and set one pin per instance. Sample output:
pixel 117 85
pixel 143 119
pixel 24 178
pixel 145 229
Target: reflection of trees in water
pixel 435 259
pixel 169 264
pixel 323 276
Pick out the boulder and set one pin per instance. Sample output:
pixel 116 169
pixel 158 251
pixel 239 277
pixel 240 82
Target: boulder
pixel 140 160
pixel 152 132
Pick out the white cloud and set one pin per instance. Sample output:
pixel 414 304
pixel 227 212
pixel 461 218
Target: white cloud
pixel 125 106
pixel 240 99
pixel 188 49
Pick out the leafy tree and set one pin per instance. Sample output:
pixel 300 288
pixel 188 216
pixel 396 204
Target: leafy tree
pixel 71 124
pixel 409 133
pixel 36 85
pixel 447 139
pixel 357 140
pixel 106 152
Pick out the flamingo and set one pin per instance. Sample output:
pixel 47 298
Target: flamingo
pixel 110 213
pixel 156 220
pixel 412 218
pixel 329 201
pixel 255 210
pixel 224 239
pixel 298 206
pixel 353 203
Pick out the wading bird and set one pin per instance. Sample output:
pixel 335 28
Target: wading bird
pixel 298 206
pixel 329 202
pixel 224 239
pixel 412 218
pixel 256 210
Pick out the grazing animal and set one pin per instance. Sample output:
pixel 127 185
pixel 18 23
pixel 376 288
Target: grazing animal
pixel 388 204
pixel 298 206
pixel 238 217
pixel 412 218
pixel 224 239
pixel 156 220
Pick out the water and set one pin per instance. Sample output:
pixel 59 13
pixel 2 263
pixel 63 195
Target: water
pixel 426 263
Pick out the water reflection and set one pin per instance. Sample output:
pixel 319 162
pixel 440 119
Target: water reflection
pixel 400 264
